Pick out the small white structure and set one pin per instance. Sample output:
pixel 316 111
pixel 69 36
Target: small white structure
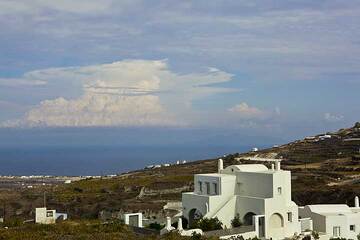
pixel 168 228
pixel 325 136
pixel 254 149
pixel 334 220
pixel 261 197
pixel 45 216
pixel 133 219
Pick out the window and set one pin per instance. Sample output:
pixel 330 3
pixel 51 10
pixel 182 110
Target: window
pixel 279 190
pixel 49 214
pixel 289 214
pixel 200 186
pixel 207 188
pixel 336 231
pixel 215 188
pixel 352 228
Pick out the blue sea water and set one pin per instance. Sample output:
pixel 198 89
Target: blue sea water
pixel 67 160
pixel 108 151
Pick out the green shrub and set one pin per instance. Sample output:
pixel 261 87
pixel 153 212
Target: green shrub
pixel 315 235
pixel 307 237
pixel 156 226
pixel 208 224
pixel 236 222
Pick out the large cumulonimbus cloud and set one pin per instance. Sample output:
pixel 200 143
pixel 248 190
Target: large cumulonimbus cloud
pixel 125 93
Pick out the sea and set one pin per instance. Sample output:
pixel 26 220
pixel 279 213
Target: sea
pixel 84 151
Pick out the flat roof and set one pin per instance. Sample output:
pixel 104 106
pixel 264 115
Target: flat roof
pixel 330 209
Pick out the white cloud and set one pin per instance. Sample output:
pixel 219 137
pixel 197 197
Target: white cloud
pixel 125 93
pixel 17 82
pixel 244 111
pixel 36 6
pixel 333 117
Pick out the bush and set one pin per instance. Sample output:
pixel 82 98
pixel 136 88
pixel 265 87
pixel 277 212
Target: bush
pixel 307 237
pixel 236 222
pixel 156 226
pixel 315 235
pixel 77 189
pixel 195 236
pixel 208 224
pixel 254 238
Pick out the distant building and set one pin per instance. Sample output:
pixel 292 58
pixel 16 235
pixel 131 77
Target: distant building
pixel 325 136
pixel 335 220
pixel 254 149
pixel 45 216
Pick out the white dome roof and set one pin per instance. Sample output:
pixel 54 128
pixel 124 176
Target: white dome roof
pixel 247 168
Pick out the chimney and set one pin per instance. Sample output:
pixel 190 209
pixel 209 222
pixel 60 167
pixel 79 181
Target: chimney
pixel 220 165
pixel 357 202
pixel 277 165
pixel 179 226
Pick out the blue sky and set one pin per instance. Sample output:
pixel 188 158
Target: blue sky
pixel 286 68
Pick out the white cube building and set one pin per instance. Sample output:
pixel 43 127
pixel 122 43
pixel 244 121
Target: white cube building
pixel 45 216
pixel 333 220
pixel 261 197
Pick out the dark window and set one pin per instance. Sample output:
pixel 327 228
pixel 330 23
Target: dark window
pixel 208 188
pixel 289 214
pixel 352 228
pixel 215 188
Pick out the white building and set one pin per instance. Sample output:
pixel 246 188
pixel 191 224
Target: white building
pixel 261 197
pixel 133 219
pixel 334 220
pixel 45 216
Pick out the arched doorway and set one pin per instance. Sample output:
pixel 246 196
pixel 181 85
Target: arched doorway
pixel 248 218
pixel 194 215
pixel 276 221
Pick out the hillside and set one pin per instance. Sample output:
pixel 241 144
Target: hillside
pixel 324 169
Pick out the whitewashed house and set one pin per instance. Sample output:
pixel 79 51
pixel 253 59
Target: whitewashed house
pixel 334 220
pixel 261 197
pixel 45 216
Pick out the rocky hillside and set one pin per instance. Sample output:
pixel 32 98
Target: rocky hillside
pixel 325 169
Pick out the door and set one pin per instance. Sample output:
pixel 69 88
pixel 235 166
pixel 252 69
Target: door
pixel 336 231
pixel 261 227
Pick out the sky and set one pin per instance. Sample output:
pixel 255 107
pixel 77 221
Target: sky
pixel 270 68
